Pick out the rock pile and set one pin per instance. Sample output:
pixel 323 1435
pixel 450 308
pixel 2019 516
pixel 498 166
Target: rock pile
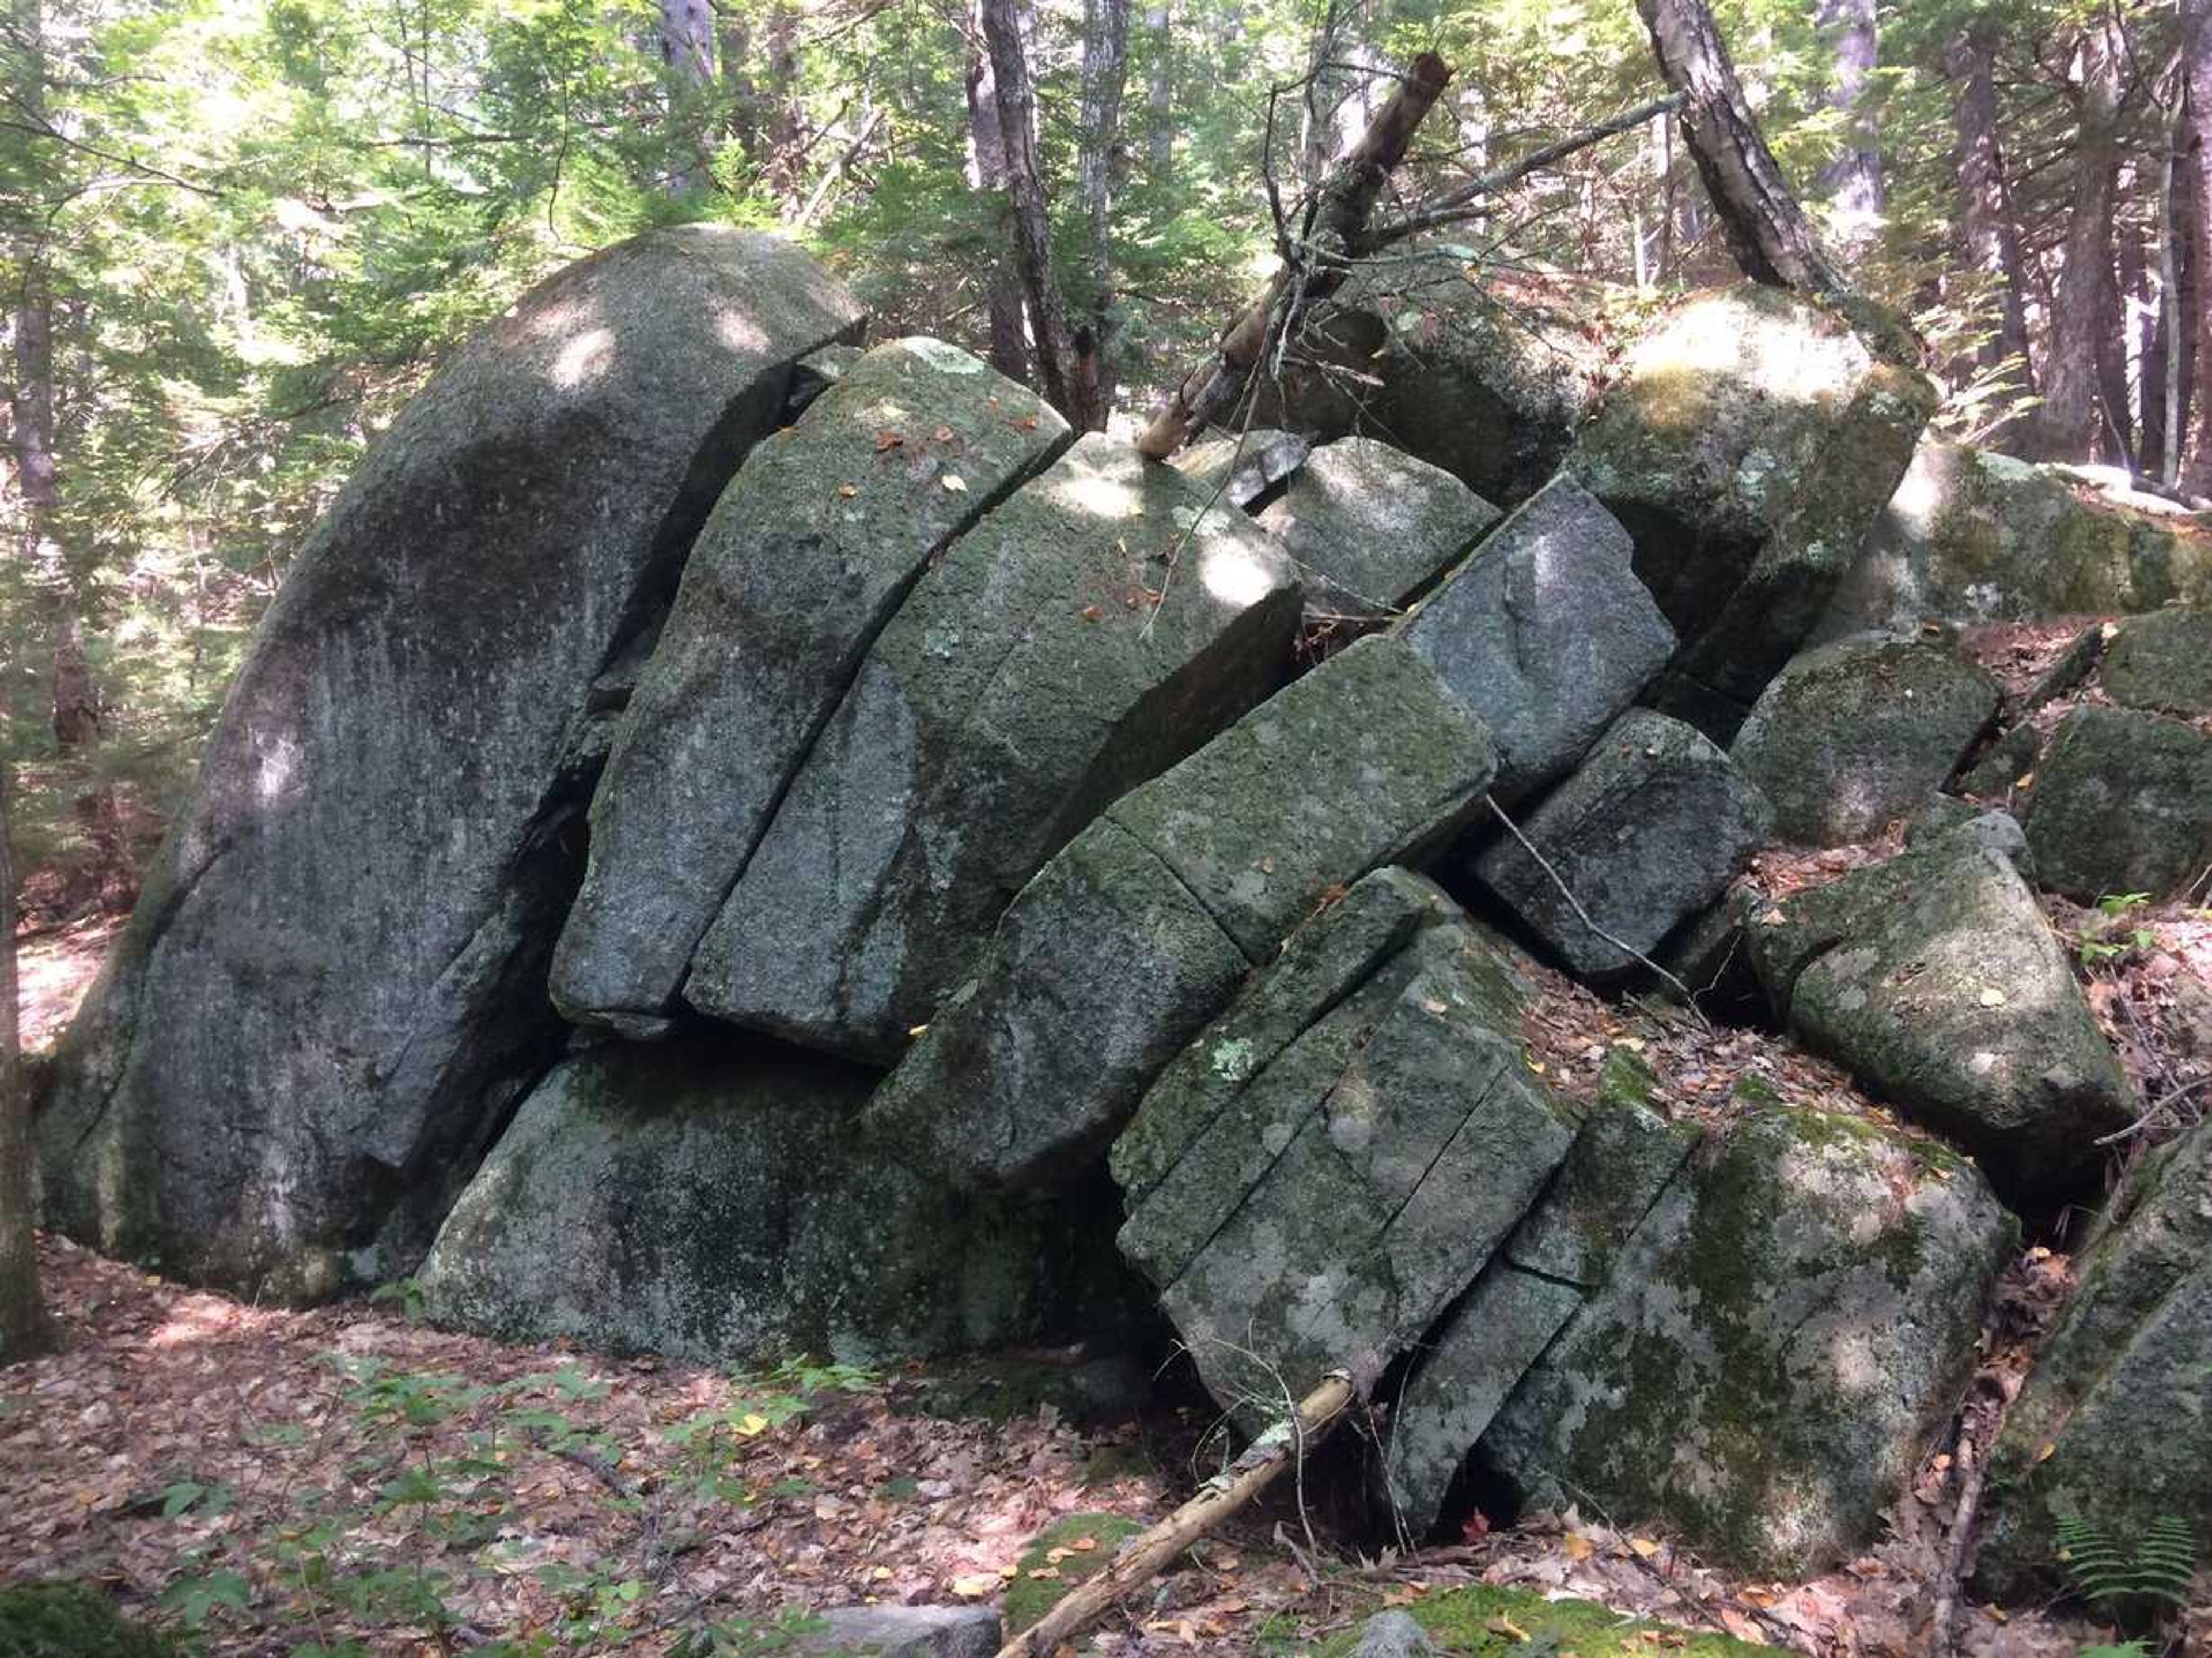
pixel 726 847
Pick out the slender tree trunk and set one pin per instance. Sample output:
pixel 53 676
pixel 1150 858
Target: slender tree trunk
pixel 2196 66
pixel 987 171
pixel 1986 224
pixel 1159 92
pixel 1105 74
pixel 685 35
pixel 1852 181
pixel 23 1328
pixel 2070 422
pixel 1032 227
pixel 1767 231
pixel 782 119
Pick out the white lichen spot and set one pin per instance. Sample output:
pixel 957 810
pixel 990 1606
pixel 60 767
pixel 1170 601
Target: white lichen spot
pixel 1232 1058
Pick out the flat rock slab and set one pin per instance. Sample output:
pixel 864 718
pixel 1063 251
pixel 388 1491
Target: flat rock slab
pixel 1546 633
pixel 1853 736
pixel 333 989
pixel 1780 1338
pixel 2123 804
pixel 1934 979
pixel 2163 661
pixel 1244 468
pixel 1123 948
pixel 1370 525
pixel 905 1632
pixel 2113 1423
pixel 805 558
pixel 1752 441
pixel 1079 640
pixel 713 1199
pixel 1648 831
pixel 1405 1156
pixel 1369 760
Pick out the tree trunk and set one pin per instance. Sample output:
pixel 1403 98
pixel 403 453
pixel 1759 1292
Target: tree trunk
pixel 1852 181
pixel 1986 224
pixel 2070 422
pixel 1767 231
pixel 1105 73
pixel 23 1328
pixel 987 171
pixel 2196 65
pixel 1159 93
pixel 1032 226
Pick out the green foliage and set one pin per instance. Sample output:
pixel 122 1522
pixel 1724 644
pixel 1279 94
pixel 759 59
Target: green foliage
pixel 2121 1573
pixel 2105 942
pixel 71 1620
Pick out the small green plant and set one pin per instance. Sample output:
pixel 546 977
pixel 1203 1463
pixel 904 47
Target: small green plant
pixel 2127 1577
pixel 407 1292
pixel 2105 942
pixel 748 1637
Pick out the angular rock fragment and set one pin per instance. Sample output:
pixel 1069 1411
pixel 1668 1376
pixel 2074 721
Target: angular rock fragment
pixel 1650 829
pixel 1079 639
pixel 334 987
pixel 1369 526
pixel 2114 1425
pixel 2163 661
pixel 2003 763
pixel 895 1632
pixel 2123 804
pixel 1546 633
pixel 803 561
pixel 1853 736
pixel 1936 981
pixel 1244 468
pixel 715 1199
pixel 1752 443
pixel 1780 1337
pixel 1134 938
pixel 1622 1159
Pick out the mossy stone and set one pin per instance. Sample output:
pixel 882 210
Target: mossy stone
pixel 73 1620
pixel 1480 1618
pixel 1028 1597
pixel 2123 804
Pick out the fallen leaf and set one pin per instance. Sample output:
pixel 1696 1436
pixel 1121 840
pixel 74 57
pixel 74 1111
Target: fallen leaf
pixel 887 439
pixel 847 490
pixel 975 1587
pixel 954 483
pixel 943 435
pixel 1992 997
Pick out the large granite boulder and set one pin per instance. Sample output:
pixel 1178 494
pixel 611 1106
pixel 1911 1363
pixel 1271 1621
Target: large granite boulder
pixel 1650 831
pixel 2123 804
pixel 1780 1337
pixel 1334 1187
pixel 1468 1365
pixel 2163 661
pixel 1974 536
pixel 333 987
pixel 1936 980
pixel 715 1199
pixel 805 558
pixel 1546 633
pixel 1853 736
pixel 1092 630
pixel 1751 442
pixel 1369 526
pixel 2114 1425
pixel 1128 943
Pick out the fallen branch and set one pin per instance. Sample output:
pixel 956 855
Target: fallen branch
pixel 1974 1470
pixel 1281 1446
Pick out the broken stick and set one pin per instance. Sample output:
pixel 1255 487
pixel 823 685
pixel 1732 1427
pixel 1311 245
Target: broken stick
pixel 1252 1473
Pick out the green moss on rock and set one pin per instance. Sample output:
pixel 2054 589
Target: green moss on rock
pixel 1476 1619
pixel 1028 1597
pixel 73 1620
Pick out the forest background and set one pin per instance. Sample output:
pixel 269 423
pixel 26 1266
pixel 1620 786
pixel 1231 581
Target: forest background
pixel 235 236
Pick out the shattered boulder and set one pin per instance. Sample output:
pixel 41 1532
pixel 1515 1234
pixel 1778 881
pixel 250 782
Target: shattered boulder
pixel 1650 829
pixel 1779 1339
pixel 804 560
pixel 1546 633
pixel 333 988
pixel 1934 979
pixel 1749 447
pixel 1331 1197
pixel 1369 526
pixel 2163 661
pixel 2114 1425
pixel 1089 633
pixel 1974 536
pixel 2123 804
pixel 715 1199
pixel 1130 941
pixel 1853 736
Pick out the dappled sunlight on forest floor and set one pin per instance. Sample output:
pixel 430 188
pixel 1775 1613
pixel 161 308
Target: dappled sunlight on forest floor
pixel 53 969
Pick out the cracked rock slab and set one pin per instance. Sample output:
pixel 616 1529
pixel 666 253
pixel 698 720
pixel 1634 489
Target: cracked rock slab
pixel 1090 631
pixel 1369 526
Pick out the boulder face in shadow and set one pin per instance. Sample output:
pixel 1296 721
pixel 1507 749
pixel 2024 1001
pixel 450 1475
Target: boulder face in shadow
pixel 333 987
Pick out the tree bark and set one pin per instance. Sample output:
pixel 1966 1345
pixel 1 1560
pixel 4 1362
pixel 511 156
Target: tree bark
pixel 1032 226
pixel 1105 74
pixel 1767 231
pixel 2069 423
pixel 2197 69
pixel 1159 92
pixel 23 1328
pixel 1986 223
pixel 987 171
pixel 685 34
pixel 1852 181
